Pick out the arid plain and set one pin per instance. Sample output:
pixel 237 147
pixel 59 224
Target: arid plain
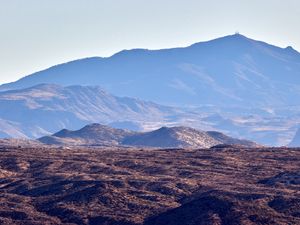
pixel 220 185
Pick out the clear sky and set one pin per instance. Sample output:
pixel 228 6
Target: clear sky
pixel 36 34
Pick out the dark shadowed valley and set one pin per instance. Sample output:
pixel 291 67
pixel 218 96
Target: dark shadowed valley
pixel 225 184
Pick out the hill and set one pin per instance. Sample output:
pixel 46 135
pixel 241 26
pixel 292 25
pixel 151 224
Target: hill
pixel 93 134
pixel 165 137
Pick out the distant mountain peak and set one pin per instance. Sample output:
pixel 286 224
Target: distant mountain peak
pixel 62 133
pixel 238 35
pixel 228 39
pixel 174 128
pixel 93 126
pixel 292 50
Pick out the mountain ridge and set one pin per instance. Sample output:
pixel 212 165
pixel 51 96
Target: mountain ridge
pixel 164 137
pixel 222 68
pixel 234 84
pixel 43 109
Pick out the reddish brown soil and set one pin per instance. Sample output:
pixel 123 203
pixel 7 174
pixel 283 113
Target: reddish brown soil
pixel 132 186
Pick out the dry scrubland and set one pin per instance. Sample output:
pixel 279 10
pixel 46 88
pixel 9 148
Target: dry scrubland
pixel 134 186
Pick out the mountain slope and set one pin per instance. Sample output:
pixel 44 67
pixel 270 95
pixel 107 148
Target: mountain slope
pixel 93 134
pixel 252 87
pixel 44 109
pixel 233 70
pixel 182 137
pixel 296 140
pixel 173 137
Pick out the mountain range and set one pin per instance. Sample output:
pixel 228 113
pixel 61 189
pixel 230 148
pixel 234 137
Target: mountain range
pixel 232 70
pixel 236 85
pixel 46 108
pixel 165 137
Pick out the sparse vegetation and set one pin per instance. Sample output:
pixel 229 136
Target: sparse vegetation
pixel 224 185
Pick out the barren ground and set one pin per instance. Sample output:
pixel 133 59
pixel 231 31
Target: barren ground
pixel 135 186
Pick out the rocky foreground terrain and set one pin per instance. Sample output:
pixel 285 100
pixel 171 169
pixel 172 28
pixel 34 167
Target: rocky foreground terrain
pixel 220 185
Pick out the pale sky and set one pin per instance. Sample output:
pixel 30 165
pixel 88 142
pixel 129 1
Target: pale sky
pixel 37 34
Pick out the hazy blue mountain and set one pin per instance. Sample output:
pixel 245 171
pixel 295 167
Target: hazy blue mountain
pixel 165 137
pixel 233 70
pixel 296 140
pixel 236 85
pixel 46 108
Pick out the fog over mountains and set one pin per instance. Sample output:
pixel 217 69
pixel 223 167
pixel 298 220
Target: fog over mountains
pixel 243 87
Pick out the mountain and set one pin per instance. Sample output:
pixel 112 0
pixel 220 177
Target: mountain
pixel 182 137
pixel 165 137
pixel 93 134
pixel 236 85
pixel 296 140
pixel 228 71
pixel 43 109
pixel 172 137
